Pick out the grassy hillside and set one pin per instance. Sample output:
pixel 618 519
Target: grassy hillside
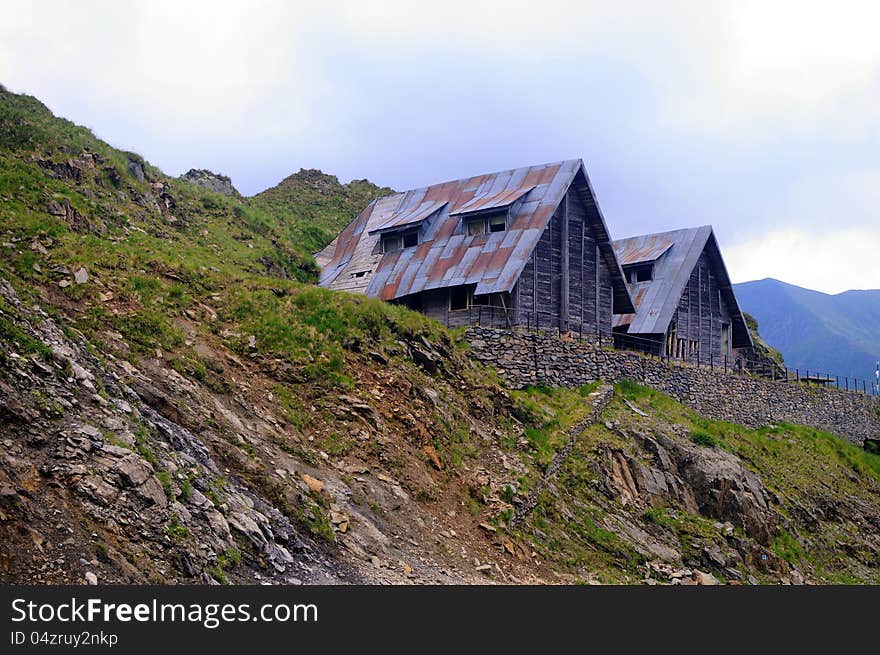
pixel 180 403
pixel 158 250
pixel 760 345
pixel 314 206
pixel 838 334
pixel 607 518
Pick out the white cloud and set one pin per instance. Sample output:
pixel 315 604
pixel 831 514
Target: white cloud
pixel 787 66
pixel 175 67
pixel 832 261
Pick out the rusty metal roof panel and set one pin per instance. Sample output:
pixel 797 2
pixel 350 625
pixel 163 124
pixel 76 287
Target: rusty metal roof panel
pixel 409 216
pixel 498 200
pixel 641 249
pixel 447 257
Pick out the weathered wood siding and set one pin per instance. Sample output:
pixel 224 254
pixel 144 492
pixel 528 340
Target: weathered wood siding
pixel 435 304
pixel 702 311
pixel 538 293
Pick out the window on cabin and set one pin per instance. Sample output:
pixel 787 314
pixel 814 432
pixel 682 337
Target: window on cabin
pixel 498 223
pixel 639 272
pixel 489 300
pixel 391 242
pixel 460 298
pixel 360 273
pixel 495 222
pixel 475 226
pixel 397 241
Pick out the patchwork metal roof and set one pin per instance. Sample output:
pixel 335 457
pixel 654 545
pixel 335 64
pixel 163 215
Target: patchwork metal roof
pixel 409 217
pixel 491 201
pixel 446 255
pixel 674 254
pixel 640 250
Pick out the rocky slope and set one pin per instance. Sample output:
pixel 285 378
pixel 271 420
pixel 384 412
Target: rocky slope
pixel 211 181
pixel 178 404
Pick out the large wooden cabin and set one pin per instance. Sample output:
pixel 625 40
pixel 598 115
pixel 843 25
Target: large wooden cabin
pixel 527 246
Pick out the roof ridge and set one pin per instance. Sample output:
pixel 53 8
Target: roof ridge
pixel 559 163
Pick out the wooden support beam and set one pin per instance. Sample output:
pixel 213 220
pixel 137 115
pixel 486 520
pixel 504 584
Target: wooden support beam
pixel 564 291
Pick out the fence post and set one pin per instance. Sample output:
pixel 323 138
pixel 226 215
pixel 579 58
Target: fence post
pixel 846 382
pixel 725 363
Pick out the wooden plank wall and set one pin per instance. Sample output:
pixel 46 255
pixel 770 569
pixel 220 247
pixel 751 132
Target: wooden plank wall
pixel 701 311
pixel 538 291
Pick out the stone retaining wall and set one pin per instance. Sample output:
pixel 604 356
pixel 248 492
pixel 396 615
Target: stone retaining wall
pixel 524 359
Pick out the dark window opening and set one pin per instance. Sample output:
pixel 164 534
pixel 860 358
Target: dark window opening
pixel 460 298
pixel 639 272
pixel 475 226
pixel 392 242
pixel 489 300
pixel 361 273
pixel 413 302
pixel 496 222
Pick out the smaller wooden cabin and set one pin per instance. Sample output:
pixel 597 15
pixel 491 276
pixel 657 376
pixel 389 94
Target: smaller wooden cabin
pixel 685 304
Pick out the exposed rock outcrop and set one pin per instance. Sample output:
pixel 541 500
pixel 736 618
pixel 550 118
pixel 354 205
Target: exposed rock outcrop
pixel 209 180
pixel 707 481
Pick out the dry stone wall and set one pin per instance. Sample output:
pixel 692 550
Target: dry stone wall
pixel 526 358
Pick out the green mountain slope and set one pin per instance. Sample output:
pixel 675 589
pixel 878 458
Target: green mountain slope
pixel 314 206
pixel 179 403
pixel 838 334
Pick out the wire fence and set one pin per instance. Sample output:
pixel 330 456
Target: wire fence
pixel 741 361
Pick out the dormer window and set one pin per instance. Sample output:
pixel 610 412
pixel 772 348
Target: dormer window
pixel 642 272
pixel 486 223
pixel 474 226
pixel 400 240
pixel 498 222
pixel 392 242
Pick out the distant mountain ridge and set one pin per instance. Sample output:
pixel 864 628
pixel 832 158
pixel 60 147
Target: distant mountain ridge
pixel 837 334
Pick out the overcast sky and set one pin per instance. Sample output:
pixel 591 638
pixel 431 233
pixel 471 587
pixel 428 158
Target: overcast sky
pixel 761 118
